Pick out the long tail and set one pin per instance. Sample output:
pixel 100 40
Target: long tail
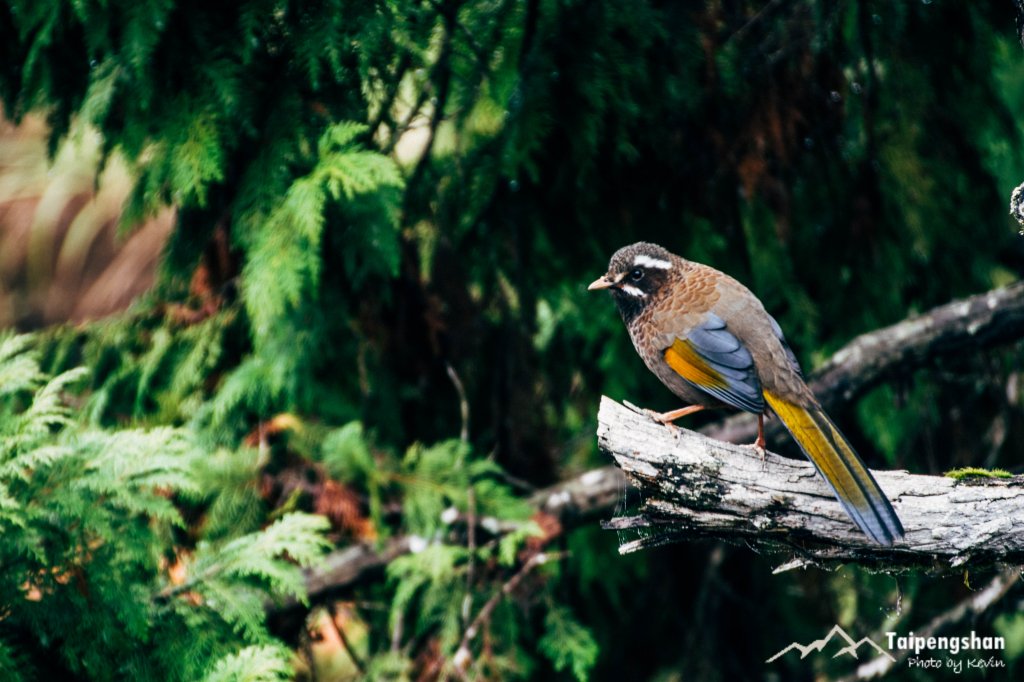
pixel 839 465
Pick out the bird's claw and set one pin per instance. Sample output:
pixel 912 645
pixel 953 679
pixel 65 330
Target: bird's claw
pixel 758 446
pixel 661 419
pixel 656 416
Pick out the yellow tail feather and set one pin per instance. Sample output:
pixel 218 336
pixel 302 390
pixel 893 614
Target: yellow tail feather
pixel 841 468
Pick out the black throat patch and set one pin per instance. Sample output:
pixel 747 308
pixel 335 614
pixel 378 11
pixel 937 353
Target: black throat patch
pixel 629 306
pixel 645 292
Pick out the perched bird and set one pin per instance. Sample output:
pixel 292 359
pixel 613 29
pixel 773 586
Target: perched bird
pixel 712 343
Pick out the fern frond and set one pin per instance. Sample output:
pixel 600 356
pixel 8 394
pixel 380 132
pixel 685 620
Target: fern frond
pixel 568 644
pixel 19 369
pixel 264 663
pixel 272 557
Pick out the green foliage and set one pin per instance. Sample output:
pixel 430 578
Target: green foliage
pixel 267 562
pixel 568 644
pixel 429 584
pixel 440 476
pixel 435 590
pixel 283 265
pixel 1011 627
pixel 395 193
pixel 253 664
pixel 89 519
pixel 146 367
pixel 238 138
pixel 231 491
pixel 346 454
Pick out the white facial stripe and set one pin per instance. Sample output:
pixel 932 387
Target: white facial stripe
pixel 649 262
pixel 633 291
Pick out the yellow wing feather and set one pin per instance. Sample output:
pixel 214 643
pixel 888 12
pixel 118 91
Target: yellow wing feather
pixel 682 357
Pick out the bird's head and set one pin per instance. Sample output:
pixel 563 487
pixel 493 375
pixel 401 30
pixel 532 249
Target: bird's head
pixel 635 275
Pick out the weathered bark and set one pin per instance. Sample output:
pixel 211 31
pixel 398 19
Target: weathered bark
pixel 698 487
pixel 1019 7
pixel 1017 197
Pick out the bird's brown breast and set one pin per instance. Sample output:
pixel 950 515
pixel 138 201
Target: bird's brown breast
pixel 676 308
pixel 685 301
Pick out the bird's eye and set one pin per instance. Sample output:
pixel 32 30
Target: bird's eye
pixel 636 275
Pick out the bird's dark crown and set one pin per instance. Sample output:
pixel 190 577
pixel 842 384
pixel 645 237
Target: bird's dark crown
pixel 625 259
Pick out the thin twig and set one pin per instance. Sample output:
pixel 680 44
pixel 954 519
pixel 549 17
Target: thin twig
pixel 761 14
pixel 406 124
pixel 396 634
pixel 467 600
pixel 391 94
pixel 306 646
pixel 332 611
pixel 463 656
pixel 519 484
pixel 172 591
pixel 463 402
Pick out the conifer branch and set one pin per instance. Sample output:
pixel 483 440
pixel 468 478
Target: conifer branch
pixel 463 401
pixel 406 124
pixel 391 94
pixel 481 55
pixel 357 661
pixel 442 75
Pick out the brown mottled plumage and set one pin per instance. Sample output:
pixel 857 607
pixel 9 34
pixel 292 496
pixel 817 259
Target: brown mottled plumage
pixel 713 344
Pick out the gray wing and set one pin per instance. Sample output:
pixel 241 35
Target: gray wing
pixel 733 378
pixel 785 346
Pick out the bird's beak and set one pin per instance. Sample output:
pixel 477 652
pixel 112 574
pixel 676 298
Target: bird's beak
pixel 603 282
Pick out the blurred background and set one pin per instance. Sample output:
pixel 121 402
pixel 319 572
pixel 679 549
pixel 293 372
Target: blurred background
pixel 355 238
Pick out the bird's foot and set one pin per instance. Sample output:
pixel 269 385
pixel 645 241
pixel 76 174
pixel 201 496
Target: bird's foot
pixel 660 418
pixel 666 418
pixel 758 446
pixel 672 415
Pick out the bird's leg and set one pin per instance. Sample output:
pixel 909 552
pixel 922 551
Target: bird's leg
pixel 759 444
pixel 668 417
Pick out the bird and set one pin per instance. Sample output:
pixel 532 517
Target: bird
pixel 711 341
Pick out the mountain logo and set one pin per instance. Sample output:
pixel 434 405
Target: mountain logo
pixel 819 644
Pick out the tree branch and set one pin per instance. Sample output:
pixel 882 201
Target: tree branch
pixel 699 487
pixel 976 604
pixel 579 500
pixel 978 322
